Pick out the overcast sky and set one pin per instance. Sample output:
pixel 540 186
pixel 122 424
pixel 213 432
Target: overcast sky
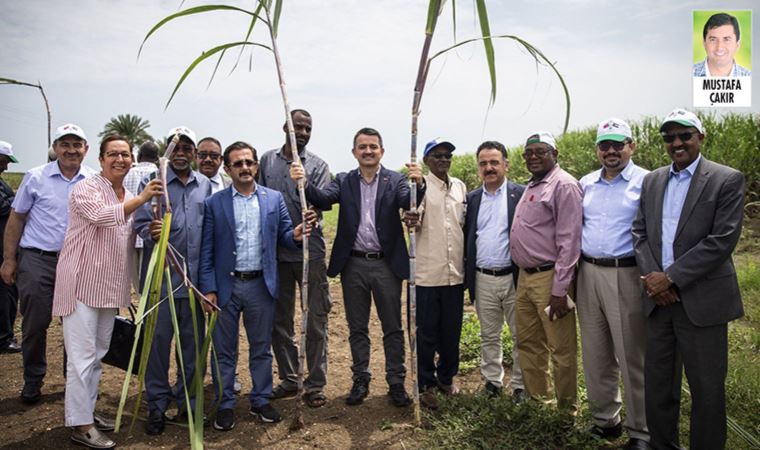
pixel 350 63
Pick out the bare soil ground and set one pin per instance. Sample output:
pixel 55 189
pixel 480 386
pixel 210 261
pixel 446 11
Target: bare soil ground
pixel 374 424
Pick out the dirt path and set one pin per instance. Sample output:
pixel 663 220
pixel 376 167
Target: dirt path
pixel 374 424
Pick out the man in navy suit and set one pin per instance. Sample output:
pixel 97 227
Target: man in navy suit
pixel 370 255
pixel 490 275
pixel 243 225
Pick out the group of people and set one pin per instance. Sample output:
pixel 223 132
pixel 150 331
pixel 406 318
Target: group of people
pixel 643 258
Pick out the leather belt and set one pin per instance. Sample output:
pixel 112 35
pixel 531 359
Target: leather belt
pixel 367 255
pixel 628 261
pixel 496 272
pixel 544 268
pixel 252 275
pixel 40 252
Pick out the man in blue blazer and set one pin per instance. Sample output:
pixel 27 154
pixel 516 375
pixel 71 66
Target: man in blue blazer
pixel 369 253
pixel 242 227
pixel 490 274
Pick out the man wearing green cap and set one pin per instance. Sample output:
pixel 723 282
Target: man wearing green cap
pixel 687 226
pixel 609 289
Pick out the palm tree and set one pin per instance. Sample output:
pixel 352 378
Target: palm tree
pixel 132 127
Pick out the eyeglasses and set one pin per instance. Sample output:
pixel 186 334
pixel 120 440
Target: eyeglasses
pixel 441 155
pixel 116 155
pixel 244 162
pixel 606 145
pixel 540 152
pixel 211 156
pixel 683 137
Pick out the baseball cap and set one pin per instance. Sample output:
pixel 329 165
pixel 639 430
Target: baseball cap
pixel 69 129
pixel 613 130
pixel 182 131
pixel 541 136
pixel 7 149
pixel 435 143
pixel 685 118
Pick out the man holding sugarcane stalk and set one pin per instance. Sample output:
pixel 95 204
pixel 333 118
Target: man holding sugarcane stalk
pixel 187 190
pixel 273 173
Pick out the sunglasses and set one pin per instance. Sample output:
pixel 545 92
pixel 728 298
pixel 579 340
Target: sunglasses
pixel 683 137
pixel 211 156
pixel 244 162
pixel 606 145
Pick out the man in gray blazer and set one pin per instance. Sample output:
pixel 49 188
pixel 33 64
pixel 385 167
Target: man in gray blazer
pixel 688 223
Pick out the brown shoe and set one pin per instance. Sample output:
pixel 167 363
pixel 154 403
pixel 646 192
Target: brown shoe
pixel 449 389
pixel 428 399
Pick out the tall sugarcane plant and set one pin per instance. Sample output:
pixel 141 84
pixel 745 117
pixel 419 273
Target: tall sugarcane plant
pixel 164 259
pixel 435 8
pixel 267 12
pixel 37 86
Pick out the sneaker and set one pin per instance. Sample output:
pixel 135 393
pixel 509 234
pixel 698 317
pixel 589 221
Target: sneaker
pixel 156 423
pixel 519 396
pixel 429 400
pixel 266 413
pixel 359 391
pixel 31 393
pixel 609 433
pixel 11 347
pixel 225 420
pixel 92 438
pixel 102 423
pixel 398 395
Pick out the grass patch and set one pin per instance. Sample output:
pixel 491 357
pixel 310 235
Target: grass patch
pixel 469 344
pixel 13 179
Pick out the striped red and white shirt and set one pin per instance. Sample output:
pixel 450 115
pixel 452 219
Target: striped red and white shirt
pixel 94 264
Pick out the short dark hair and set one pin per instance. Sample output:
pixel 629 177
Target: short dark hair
pixel 368 132
pixel 148 152
pixel 211 139
pixel 718 20
pixel 238 145
pixel 496 145
pixel 111 138
pixel 301 111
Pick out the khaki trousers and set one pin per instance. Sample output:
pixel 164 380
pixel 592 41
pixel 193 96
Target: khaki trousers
pixel 613 336
pixel 538 339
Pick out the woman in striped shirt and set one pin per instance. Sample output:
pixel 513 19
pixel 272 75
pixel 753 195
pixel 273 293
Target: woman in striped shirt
pixel 93 281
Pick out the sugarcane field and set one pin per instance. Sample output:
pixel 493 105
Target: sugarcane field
pixel 223 227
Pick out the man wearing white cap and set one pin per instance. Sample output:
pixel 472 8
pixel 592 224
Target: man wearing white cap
pixel 187 191
pixel 687 226
pixel 609 290
pixel 33 237
pixel 8 294
pixel 440 274
pixel 490 275
pixel 546 243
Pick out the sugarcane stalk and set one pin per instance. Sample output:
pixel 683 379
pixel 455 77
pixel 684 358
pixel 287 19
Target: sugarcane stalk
pixel 38 86
pixel 297 419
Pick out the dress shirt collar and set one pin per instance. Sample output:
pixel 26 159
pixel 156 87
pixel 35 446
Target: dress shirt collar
pixel 437 182
pixel 217 178
pixel 171 176
pixel 236 193
pixel 498 191
pixel 626 173
pixel 54 169
pixel 732 74
pixel 550 175
pixel 691 168
pixel 374 177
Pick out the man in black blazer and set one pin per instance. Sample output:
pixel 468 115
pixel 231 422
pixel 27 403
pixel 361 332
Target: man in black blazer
pixel 370 254
pixel 489 272
pixel 687 226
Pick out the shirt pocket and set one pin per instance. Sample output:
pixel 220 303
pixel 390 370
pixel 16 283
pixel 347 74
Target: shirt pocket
pixel 534 214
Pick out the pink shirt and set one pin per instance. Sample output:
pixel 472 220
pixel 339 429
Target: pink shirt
pixel 94 264
pixel 547 227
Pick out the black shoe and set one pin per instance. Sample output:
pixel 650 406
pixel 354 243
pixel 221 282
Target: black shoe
pixel 609 433
pixel 266 413
pixel 492 390
pixel 225 420
pixel 156 423
pixel 31 393
pixel 12 347
pixel 637 444
pixel 359 391
pixel 281 392
pixel 519 396
pixel 398 395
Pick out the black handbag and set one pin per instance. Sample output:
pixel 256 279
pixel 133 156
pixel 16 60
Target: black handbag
pixel 122 341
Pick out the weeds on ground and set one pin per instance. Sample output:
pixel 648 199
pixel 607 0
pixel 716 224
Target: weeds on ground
pixel 469 344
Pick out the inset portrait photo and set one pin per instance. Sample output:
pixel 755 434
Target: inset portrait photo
pixel 722 43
